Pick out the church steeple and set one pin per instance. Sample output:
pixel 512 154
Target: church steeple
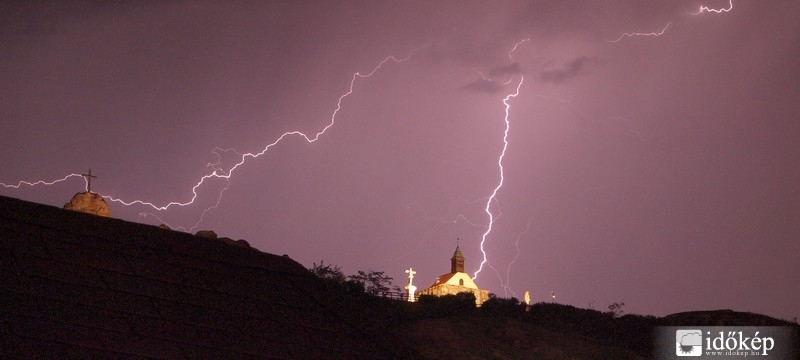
pixel 457 261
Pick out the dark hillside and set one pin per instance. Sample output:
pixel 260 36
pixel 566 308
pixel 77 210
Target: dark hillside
pixel 73 285
pixel 722 318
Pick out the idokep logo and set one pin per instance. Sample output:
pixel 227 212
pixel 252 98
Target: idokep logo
pixel 688 342
pixel 726 342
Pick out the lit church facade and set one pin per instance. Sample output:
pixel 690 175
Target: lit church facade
pixel 456 281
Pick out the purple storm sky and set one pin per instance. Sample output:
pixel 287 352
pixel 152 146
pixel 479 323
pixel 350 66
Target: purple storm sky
pixel 659 171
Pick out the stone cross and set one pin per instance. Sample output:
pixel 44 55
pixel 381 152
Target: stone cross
pixel 410 287
pixel 410 273
pixel 89 178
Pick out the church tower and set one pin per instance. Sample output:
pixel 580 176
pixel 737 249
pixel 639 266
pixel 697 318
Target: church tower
pixel 457 261
pixel 456 281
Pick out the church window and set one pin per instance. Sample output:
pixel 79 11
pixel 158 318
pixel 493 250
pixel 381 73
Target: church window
pixel 461 282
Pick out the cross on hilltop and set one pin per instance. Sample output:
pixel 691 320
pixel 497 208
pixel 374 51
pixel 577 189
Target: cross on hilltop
pixel 89 178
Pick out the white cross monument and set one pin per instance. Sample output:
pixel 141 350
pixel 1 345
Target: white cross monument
pixel 410 287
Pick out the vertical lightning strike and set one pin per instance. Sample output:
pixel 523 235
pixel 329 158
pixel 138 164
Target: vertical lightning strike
pixel 704 8
pixel 488 208
pixel 624 35
pixel 493 196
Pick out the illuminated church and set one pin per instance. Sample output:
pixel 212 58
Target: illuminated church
pixel 456 281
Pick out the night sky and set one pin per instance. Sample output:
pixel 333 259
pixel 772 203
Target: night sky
pixel 661 170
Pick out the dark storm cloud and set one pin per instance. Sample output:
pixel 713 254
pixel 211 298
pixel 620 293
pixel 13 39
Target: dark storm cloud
pixel 491 86
pixel 510 69
pixel 484 86
pixel 567 72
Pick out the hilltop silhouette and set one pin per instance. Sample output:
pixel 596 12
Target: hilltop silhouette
pixel 75 285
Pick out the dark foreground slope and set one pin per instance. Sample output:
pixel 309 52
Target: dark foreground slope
pixel 74 285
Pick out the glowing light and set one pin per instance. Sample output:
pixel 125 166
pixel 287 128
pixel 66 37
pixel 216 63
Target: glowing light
pixel 703 9
pixel 410 287
pixel 641 34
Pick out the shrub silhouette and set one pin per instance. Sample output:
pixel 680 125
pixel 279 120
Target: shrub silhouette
pixel 502 306
pixel 460 304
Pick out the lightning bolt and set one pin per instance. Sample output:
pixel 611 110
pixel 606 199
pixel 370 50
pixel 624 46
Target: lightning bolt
pixel 199 220
pixel 506 286
pixel 216 151
pixel 225 173
pixel 218 171
pixel 641 34
pixel 493 196
pixel 703 9
pixel 42 182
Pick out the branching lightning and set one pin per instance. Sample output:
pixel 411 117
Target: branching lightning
pixel 641 34
pixel 216 151
pixel 225 174
pixel 222 174
pixel 224 171
pixel 199 220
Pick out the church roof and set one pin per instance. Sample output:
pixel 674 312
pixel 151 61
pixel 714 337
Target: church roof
pixel 80 286
pixel 442 279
